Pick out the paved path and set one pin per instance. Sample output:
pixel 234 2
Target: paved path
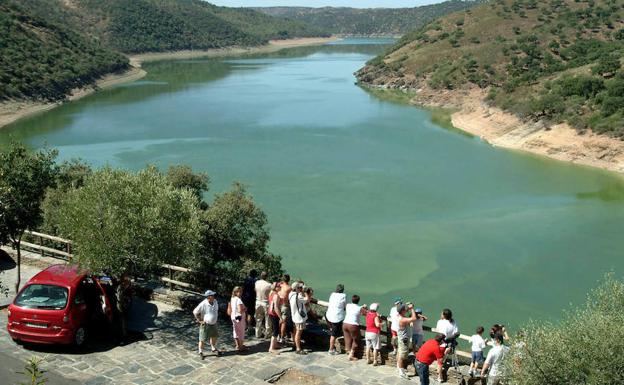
pixel 165 353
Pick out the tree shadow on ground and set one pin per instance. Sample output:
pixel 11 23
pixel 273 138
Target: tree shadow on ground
pixel 6 262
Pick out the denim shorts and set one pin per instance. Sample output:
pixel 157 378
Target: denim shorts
pixel 477 357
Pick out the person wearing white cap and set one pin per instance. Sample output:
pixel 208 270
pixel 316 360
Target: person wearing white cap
pixel 299 313
pixel 206 314
pixel 373 328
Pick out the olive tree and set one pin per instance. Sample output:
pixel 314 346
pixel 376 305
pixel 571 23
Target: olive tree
pixel 130 222
pixel 585 347
pixel 235 237
pixel 24 178
pixel 182 176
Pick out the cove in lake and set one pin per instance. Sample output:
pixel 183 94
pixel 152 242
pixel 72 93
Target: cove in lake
pixel 359 189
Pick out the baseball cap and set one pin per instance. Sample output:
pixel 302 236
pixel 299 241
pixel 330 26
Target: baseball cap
pixel 208 293
pixel 418 310
pixel 297 285
pixel 397 300
pixel 374 306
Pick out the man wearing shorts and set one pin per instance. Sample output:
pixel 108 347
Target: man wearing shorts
pixel 298 313
pixel 403 337
pixel 335 315
pixel 286 324
pixel 206 314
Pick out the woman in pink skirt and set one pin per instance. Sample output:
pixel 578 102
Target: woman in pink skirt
pixel 238 314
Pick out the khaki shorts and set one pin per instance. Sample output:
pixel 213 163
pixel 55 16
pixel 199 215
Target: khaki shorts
pixel 300 326
pixel 404 348
pixel 207 331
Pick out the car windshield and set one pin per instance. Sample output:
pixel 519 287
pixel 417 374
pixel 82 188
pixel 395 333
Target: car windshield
pixel 42 297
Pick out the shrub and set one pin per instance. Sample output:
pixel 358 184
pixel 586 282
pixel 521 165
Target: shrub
pixel 586 347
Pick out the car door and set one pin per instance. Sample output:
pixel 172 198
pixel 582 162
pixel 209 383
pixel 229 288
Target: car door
pixel 105 301
pixel 79 313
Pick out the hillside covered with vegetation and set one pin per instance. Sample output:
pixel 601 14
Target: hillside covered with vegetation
pixel 45 61
pixel 166 25
pixel 549 60
pixel 370 21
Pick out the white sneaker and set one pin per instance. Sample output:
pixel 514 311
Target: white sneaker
pixel 403 375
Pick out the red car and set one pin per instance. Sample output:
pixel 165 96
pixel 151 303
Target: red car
pixel 58 306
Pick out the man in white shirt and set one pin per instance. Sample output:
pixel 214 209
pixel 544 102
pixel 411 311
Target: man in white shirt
pixel 494 361
pixel 263 288
pixel 335 315
pixel 298 312
pixel 206 314
pixel 393 318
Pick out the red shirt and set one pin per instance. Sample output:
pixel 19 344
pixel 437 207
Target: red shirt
pixel 429 352
pixel 370 322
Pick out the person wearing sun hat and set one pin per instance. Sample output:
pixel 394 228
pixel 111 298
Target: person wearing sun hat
pixel 206 314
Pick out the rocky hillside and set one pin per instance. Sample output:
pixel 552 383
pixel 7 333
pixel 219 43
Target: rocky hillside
pixel 45 61
pixel 372 21
pixel 544 60
pixel 166 25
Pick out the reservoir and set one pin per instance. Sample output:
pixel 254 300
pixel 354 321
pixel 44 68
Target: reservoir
pixel 359 188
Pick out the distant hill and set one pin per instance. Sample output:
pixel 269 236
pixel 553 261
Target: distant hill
pixel 166 25
pixel 549 60
pixel 45 61
pixel 374 21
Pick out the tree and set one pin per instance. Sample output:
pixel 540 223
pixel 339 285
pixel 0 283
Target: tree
pixel 24 178
pixel 572 351
pixel 130 222
pixel 182 176
pixel 236 237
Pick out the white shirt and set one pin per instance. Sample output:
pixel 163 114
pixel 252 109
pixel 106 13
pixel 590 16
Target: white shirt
pixel 394 318
pixel 208 312
pixel 495 358
pixel 478 343
pixel 417 326
pixel 447 328
pixel 336 309
pixel 297 304
pixel 234 303
pixel 352 316
pixel 263 288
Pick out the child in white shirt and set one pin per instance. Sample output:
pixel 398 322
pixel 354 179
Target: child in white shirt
pixel 478 344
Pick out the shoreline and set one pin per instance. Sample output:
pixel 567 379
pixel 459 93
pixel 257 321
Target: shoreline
pixel 559 141
pixel 470 113
pixel 273 46
pixel 12 111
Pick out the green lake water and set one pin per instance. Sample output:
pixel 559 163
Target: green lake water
pixel 358 188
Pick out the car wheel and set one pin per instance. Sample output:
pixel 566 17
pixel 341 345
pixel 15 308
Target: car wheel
pixel 80 337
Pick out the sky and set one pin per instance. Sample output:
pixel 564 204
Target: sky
pixel 324 3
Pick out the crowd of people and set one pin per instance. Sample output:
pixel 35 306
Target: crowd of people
pixel 281 311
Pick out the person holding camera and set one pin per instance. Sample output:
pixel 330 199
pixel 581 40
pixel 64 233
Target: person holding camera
pixel 418 333
pixel 493 365
pixel 299 313
pixel 446 325
pixel 403 337
pixel 238 312
pixel 432 351
pixel 393 321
